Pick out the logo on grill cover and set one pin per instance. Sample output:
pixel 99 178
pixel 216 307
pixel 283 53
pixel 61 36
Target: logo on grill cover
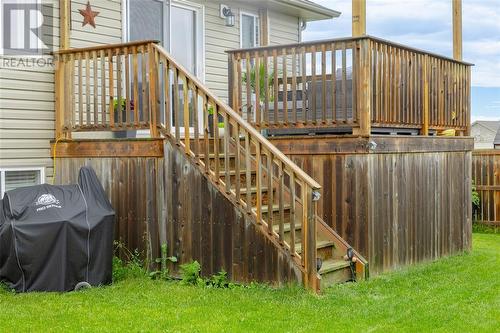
pixel 47 201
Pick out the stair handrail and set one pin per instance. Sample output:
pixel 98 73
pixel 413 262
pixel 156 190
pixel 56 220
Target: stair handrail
pixel 192 87
pixel 243 123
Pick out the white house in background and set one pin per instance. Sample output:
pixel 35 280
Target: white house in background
pixel 484 133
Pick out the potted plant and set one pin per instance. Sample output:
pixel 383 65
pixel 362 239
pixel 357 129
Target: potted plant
pixel 220 123
pixel 261 85
pixel 123 102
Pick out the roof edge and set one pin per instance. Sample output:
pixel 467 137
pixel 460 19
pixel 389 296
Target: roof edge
pixel 315 8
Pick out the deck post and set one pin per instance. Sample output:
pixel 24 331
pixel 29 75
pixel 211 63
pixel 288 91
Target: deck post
pixel 358 18
pixel 457 29
pixel 264 26
pixel 64 23
pixel 153 82
pixel 425 106
pixel 59 90
pixel 364 88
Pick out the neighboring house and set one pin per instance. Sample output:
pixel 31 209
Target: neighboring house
pixel 194 31
pixel 496 143
pixel 484 133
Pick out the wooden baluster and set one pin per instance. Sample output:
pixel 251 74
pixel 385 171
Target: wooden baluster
pixel 248 168
pixel 167 90
pixel 387 62
pixel 304 84
pixel 176 122
pixel 293 208
pixel 378 69
pixel 144 85
pixel 196 125
pixel 270 215
pixel 237 157
pixel 258 164
pixel 135 75
pixel 119 86
pixel 206 134
pixel 313 105
pixel 127 88
pixel 323 83
pixel 344 82
pixel 281 201
pixel 285 88
pixel 96 85
pixel 185 105
pixel 71 110
pixel 227 168
pixel 257 90
pixel 294 85
pixel 275 86
pixel 266 85
pixel 87 88
pixel 240 88
pixel 334 83
pixel 80 90
pixel 111 89
pixel 102 55
pixel 215 123
pixel 248 88
pixel 355 83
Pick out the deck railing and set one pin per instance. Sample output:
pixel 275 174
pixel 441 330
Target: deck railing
pixel 140 86
pixel 358 83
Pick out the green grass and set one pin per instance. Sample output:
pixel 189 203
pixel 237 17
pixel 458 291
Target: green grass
pixel 456 294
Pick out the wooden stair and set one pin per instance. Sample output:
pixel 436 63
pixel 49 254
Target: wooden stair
pixel 334 268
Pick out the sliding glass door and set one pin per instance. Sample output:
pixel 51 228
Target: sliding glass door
pixel 178 25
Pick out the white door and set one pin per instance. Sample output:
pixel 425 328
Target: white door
pixel 178 25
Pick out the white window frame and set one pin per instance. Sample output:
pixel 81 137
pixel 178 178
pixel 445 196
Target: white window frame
pixel 41 170
pixel 257 32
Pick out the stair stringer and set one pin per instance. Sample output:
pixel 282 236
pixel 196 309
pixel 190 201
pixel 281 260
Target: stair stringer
pixel 203 223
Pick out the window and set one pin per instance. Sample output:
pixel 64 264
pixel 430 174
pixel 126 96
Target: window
pixel 14 178
pixel 249 28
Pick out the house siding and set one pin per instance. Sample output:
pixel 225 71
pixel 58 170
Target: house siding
pixel 27 104
pixel 27 95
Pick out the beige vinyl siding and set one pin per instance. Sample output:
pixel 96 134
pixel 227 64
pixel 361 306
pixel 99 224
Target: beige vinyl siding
pixel 219 38
pixel 27 104
pixel 27 94
pixel 283 29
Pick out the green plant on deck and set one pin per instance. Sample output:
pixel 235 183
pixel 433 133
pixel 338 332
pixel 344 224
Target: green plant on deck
pixel 163 273
pixel 262 82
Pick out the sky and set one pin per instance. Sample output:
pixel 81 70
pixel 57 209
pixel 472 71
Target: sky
pixel 427 25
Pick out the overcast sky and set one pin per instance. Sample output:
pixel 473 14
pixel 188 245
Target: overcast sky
pixel 426 24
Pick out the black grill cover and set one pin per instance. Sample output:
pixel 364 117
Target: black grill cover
pixel 53 237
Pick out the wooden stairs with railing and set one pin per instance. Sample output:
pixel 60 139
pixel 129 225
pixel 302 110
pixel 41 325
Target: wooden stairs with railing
pixel 241 163
pixel 332 261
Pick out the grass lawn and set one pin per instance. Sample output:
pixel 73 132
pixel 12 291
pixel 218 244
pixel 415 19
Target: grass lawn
pixel 458 294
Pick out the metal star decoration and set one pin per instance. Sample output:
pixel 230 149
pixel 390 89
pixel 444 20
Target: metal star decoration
pixel 88 15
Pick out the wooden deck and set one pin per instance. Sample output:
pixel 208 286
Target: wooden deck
pixel 355 84
pixel 265 207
